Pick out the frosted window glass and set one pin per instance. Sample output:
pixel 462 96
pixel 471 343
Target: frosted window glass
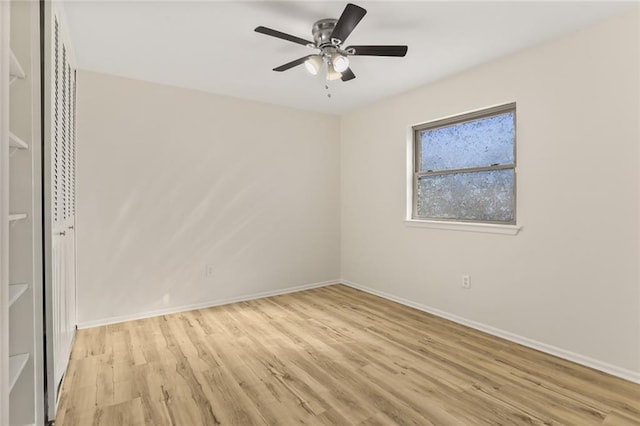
pixel 476 143
pixel 483 196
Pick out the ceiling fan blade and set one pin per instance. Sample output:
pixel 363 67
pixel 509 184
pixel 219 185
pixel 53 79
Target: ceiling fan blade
pixel 350 17
pixel 378 50
pixel 292 64
pixel 347 75
pixel 284 36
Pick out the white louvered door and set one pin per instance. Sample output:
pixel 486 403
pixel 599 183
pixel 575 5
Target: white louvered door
pixel 63 261
pixel 61 301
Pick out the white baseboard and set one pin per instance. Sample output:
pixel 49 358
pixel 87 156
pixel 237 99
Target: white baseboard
pixel 209 304
pixel 614 370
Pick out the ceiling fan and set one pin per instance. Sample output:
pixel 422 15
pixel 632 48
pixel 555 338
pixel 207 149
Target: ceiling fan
pixel 328 37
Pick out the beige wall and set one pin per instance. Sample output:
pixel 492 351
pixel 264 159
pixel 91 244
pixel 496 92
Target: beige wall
pixel 170 180
pixel 569 280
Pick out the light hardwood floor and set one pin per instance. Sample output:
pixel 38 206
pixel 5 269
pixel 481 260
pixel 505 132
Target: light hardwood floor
pixel 328 356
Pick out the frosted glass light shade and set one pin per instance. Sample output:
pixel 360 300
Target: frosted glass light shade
pixel 340 62
pixel 312 65
pixel 332 74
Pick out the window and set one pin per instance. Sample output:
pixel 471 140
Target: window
pixel 464 167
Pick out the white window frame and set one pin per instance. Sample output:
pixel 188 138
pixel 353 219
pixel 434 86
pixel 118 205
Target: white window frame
pixel 413 174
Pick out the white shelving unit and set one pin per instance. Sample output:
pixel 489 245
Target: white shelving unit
pixel 21 345
pixel 18 357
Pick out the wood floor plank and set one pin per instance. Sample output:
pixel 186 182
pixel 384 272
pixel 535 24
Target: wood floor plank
pixel 327 356
pixel 619 419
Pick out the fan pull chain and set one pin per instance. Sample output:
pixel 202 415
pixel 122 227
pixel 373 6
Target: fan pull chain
pixel 326 86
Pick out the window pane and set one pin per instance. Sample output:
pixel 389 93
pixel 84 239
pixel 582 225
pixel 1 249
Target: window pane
pixel 483 196
pixel 474 143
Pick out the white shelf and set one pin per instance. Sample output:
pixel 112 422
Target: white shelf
pixel 17 216
pixel 16 142
pixel 15 69
pixel 15 291
pixel 16 366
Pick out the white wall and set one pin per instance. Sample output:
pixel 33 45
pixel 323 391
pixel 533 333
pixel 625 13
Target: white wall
pixel 172 179
pixel 570 278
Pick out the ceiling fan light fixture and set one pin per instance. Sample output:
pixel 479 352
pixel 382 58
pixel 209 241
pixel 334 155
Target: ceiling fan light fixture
pixel 340 62
pixel 332 74
pixel 329 35
pixel 312 65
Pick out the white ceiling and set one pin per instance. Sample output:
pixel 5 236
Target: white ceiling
pixel 211 45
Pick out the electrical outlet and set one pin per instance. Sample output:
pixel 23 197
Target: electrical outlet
pixel 466 281
pixel 208 270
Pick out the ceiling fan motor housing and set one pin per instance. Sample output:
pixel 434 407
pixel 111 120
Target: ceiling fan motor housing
pixel 322 30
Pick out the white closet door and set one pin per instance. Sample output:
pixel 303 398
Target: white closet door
pixel 61 300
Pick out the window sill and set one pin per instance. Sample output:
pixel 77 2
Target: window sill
pixel 489 228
